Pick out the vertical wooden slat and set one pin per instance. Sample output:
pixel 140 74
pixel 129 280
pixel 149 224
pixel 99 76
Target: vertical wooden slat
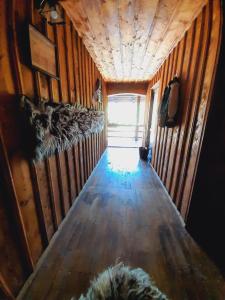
pixel 69 60
pixel 83 60
pixel 5 165
pixel 55 164
pixel 184 82
pixel 156 147
pixel 87 78
pixel 5 289
pixel 81 158
pixel 161 130
pixel 169 130
pixel 77 168
pixel 81 164
pixel 202 34
pixel 71 87
pixel 12 259
pixel 74 39
pixel 165 130
pixel 84 159
pixel 75 55
pixel 63 90
pixel 50 215
pixel 181 49
pixel 79 49
pixel 186 107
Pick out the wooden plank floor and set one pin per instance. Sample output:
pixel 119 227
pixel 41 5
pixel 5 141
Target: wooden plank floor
pixel 124 213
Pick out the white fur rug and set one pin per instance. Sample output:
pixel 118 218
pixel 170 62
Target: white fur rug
pixel 123 283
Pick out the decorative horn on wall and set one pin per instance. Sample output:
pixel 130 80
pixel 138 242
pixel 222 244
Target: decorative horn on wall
pixel 54 127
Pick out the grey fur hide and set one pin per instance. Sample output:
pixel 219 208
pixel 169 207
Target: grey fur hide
pixel 55 127
pixel 123 283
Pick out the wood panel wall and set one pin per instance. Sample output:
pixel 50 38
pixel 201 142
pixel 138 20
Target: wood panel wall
pixel 35 198
pixel 209 187
pixel 194 60
pixel 130 39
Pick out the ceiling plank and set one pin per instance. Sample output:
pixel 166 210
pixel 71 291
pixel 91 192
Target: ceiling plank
pixel 181 19
pixel 143 28
pixel 163 16
pixel 126 24
pixel 95 19
pixel 110 16
pixel 130 39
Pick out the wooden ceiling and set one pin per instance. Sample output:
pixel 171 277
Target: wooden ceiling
pixel 129 39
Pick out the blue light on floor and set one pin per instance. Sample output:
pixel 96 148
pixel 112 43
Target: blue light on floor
pixel 123 159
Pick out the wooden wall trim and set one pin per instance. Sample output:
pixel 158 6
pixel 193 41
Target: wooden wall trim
pixel 5 166
pixel 14 46
pixel 5 289
pixel 127 87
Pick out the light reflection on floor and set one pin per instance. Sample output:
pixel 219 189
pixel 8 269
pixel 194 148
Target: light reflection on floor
pixel 123 159
pixel 124 142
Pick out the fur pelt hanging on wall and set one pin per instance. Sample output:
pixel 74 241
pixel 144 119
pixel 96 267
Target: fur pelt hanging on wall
pixel 55 127
pixel 121 282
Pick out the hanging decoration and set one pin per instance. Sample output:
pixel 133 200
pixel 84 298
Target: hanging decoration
pixel 168 110
pixel 97 96
pixel 55 127
pixel 42 53
pixel 51 11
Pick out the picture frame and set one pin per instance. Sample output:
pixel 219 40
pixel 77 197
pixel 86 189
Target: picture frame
pixel 42 53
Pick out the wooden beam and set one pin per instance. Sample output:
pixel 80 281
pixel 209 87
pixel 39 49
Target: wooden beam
pixel 5 289
pixel 5 166
pixel 137 118
pixel 113 88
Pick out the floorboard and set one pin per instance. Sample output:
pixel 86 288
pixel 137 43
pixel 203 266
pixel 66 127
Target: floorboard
pixel 124 214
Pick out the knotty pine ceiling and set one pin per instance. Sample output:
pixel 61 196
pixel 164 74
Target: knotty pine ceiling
pixel 129 39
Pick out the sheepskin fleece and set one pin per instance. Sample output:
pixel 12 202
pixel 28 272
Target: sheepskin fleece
pixel 123 283
pixel 55 127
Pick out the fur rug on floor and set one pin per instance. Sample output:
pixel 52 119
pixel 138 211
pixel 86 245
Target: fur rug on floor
pixel 123 283
pixel 55 127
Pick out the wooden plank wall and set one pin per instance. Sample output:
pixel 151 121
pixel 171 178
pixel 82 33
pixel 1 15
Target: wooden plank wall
pixel 35 198
pixel 176 150
pixel 209 187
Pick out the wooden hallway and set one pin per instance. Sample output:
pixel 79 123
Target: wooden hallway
pixel 124 213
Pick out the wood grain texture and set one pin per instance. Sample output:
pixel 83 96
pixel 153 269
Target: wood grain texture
pixel 124 213
pixel 130 39
pixel 209 188
pixel 40 193
pixel 127 87
pixel 14 267
pixel 42 52
pixel 5 292
pixel 173 155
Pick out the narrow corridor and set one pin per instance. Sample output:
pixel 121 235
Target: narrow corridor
pixel 124 214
